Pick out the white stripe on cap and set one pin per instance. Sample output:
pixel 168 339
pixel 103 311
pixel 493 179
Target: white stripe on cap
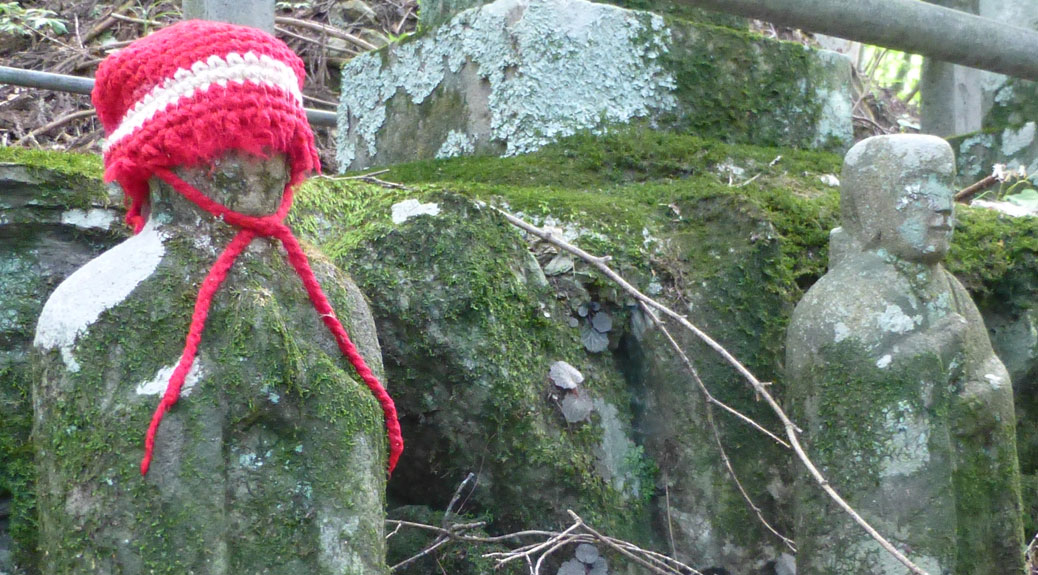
pixel 261 70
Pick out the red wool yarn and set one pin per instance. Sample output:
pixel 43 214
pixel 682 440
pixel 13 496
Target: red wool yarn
pixel 184 96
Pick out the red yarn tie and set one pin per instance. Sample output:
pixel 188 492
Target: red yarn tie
pixel 250 228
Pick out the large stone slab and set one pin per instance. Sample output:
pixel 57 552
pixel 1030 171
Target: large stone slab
pixel 55 215
pixel 977 153
pixel 509 77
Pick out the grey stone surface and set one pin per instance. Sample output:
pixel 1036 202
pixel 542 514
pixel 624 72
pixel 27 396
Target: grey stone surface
pixel 1003 96
pixel 1015 147
pixel 1009 107
pixel 51 222
pixel 512 76
pixel 904 405
pixel 951 96
pixel 255 13
pixel 273 460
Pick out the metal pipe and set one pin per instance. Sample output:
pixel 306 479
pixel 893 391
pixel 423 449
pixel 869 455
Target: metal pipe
pixel 79 85
pixel 905 25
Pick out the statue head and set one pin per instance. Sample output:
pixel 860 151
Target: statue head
pixel 896 194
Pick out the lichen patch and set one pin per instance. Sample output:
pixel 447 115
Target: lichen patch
pixel 408 209
pixel 157 385
pixel 95 218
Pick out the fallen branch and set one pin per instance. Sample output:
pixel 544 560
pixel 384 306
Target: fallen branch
pixel 790 428
pixel 107 22
pixel 968 192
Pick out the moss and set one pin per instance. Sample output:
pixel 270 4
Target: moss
pixel 17 475
pixel 995 257
pixel 87 166
pixel 63 179
pixel 668 208
pixel 848 381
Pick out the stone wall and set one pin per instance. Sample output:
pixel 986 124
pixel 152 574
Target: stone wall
pixel 472 316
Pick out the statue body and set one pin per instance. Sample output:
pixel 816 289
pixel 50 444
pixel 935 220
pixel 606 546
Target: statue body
pixel 904 405
pixel 272 461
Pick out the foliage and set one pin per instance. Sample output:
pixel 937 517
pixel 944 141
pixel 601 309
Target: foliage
pixel 16 19
pixel 898 71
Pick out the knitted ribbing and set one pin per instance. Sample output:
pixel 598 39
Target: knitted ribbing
pixel 184 96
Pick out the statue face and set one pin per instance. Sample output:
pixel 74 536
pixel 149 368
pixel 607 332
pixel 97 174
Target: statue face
pixel 918 226
pixel 897 195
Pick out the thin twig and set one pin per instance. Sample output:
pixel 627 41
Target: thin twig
pixel 454 500
pixel 137 20
pixel 713 427
pixel 790 428
pixel 872 123
pixel 1032 559
pixel 320 101
pixel 56 124
pixel 369 178
pixel 620 549
pixel 323 45
pixel 439 542
pixel 324 29
pixel 670 524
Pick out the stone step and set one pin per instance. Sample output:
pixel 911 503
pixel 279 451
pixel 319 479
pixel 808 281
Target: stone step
pixel 509 77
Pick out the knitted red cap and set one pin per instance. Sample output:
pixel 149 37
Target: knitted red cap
pixel 186 94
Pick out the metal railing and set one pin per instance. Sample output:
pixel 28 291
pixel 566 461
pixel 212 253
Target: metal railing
pixel 906 25
pixel 79 85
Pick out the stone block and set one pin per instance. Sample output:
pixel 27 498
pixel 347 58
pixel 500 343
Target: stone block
pixel 977 153
pixel 54 217
pixel 512 76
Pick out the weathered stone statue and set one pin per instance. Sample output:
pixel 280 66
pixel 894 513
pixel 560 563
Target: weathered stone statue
pixel 274 458
pixel 904 405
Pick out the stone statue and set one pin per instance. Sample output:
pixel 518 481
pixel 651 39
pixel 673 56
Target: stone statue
pixel 904 405
pixel 271 456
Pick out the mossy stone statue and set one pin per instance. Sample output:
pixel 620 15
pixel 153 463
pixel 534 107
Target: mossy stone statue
pixel 904 405
pixel 273 460
pixel 266 452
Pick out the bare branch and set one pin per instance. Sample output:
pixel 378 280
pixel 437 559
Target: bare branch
pixel 716 432
pixel 790 428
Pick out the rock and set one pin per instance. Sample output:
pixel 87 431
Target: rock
pixel 786 564
pixel 587 553
pixel 468 332
pixel 572 567
pixel 274 457
pixel 55 215
pixel 506 78
pixel 460 304
pixel 564 375
pixel 576 407
pixel 889 345
pixel 432 13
